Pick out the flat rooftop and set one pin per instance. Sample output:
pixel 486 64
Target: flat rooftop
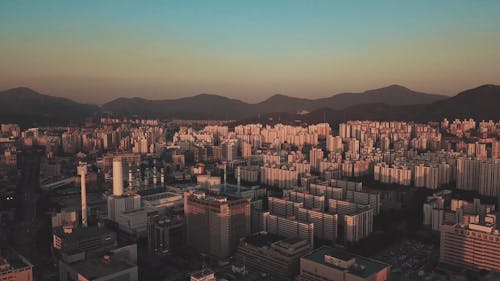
pixel 370 266
pixel 161 195
pixel 82 233
pixel 292 240
pixel 10 260
pixel 263 239
pixel 341 254
pixel 202 273
pixel 94 268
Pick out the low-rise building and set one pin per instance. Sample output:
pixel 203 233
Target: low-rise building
pixel 331 264
pixel 273 254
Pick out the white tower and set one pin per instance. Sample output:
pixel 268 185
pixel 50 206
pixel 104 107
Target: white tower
pixel 82 171
pixel 117 176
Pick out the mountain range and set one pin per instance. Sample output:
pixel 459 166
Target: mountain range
pixel 26 106
pixel 206 106
pixel 480 103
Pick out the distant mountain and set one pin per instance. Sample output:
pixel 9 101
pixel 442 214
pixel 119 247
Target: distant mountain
pixel 391 95
pixel 26 106
pixel 282 103
pixel 212 106
pixel 202 106
pixel 480 103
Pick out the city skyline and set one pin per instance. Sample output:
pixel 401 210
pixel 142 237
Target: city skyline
pixel 247 51
pixel 250 141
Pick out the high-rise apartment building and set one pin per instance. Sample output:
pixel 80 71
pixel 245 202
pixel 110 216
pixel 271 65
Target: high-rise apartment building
pixel 284 177
pixel 315 157
pixel 482 176
pixel 358 224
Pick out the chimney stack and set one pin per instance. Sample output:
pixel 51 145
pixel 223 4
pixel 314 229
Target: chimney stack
pixel 82 171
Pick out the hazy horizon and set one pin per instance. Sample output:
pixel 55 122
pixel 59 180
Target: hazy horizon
pixel 95 52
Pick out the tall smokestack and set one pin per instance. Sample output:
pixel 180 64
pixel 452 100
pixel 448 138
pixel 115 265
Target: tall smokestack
pixel 117 176
pixel 82 171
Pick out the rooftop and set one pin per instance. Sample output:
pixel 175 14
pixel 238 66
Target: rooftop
pixel 263 239
pixel 370 266
pixel 292 241
pixel 82 233
pixel 340 254
pixel 162 195
pixel 202 273
pixel 10 260
pixel 94 268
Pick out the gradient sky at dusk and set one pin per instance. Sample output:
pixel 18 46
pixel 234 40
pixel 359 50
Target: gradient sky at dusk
pixel 95 51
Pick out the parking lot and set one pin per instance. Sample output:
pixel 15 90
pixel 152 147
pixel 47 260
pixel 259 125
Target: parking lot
pixel 410 260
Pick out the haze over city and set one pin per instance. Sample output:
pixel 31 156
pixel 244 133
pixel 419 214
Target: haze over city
pixel 250 140
pixel 96 51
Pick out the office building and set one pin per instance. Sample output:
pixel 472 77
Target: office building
pixel 116 264
pixel 165 232
pixel 474 246
pixel 28 187
pixel 272 254
pixel 87 239
pixel 215 224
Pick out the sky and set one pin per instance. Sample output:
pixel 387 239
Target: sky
pixel 95 51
